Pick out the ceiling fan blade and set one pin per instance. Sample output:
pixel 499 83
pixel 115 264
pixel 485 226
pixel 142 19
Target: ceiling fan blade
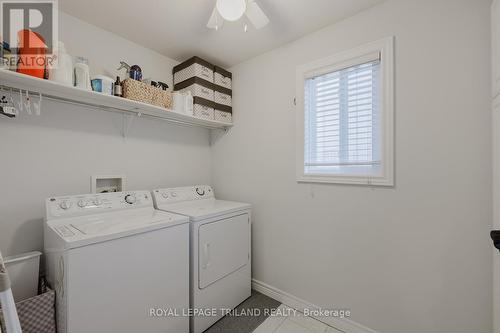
pixel 256 15
pixel 215 21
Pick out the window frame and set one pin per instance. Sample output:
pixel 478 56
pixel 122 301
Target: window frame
pixel 353 57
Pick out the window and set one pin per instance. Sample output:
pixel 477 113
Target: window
pixel 345 117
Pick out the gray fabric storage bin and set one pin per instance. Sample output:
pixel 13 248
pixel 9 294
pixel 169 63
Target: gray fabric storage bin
pixel 193 67
pixel 36 314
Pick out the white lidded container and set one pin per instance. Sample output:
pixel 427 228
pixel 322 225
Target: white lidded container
pixel 82 74
pixel 182 102
pixel 188 104
pixel 23 270
pixel 178 102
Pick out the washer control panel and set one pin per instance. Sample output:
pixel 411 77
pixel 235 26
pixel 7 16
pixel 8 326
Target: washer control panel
pixel 78 205
pixel 179 194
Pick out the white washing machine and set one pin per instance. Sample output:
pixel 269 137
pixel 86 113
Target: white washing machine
pixel 112 258
pixel 220 276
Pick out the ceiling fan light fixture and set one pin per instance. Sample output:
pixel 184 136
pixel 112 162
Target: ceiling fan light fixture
pixel 231 10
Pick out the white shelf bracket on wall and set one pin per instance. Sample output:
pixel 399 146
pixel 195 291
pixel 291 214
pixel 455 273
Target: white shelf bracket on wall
pixel 217 134
pixel 127 121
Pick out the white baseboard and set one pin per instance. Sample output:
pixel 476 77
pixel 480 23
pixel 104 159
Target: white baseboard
pixel 342 324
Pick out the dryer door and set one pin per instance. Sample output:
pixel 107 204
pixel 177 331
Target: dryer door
pixel 223 248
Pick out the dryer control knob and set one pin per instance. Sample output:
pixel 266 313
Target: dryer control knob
pixel 82 203
pixel 97 202
pixel 65 205
pixel 130 199
pixel 200 191
pixel 165 195
pixel 174 194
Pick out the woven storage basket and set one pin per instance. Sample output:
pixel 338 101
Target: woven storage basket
pixel 138 91
pixel 142 92
pixel 162 98
pixel 36 314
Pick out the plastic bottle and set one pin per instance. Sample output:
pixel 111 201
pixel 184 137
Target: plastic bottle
pixel 188 108
pixel 82 74
pixel 62 70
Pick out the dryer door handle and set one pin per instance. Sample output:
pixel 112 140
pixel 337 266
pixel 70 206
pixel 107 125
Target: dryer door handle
pixel 206 256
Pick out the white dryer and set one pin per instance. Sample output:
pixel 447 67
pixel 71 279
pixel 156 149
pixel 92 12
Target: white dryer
pixel 220 276
pixel 112 258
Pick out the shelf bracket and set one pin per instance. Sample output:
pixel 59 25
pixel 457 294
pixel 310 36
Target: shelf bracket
pixel 217 133
pixel 127 120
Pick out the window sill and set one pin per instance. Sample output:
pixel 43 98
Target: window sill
pixel 347 180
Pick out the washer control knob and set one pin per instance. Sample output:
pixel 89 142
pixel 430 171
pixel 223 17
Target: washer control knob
pixel 200 191
pixel 165 195
pixel 65 205
pixel 174 194
pixel 97 202
pixel 82 203
pixel 130 199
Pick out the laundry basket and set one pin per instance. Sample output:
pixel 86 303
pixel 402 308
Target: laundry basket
pixel 23 271
pixel 36 314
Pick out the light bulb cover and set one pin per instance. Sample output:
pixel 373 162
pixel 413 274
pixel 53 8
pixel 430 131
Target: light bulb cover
pixel 231 10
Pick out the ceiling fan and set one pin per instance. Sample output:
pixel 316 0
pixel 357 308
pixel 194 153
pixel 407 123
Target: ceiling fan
pixel 233 10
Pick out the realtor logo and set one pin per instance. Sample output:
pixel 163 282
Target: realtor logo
pixel 29 26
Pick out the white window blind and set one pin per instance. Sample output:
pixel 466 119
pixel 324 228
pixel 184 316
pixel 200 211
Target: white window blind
pixel 342 121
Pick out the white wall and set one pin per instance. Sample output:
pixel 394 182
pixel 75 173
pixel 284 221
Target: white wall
pixel 105 50
pixel 413 258
pixel 57 153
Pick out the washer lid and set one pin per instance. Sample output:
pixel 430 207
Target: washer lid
pixel 85 230
pixel 206 208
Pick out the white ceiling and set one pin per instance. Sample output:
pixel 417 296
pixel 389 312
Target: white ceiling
pixel 177 28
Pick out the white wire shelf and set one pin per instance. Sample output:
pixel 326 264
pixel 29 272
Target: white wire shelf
pixel 59 92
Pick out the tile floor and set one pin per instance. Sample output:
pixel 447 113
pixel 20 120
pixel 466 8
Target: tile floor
pixel 286 321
